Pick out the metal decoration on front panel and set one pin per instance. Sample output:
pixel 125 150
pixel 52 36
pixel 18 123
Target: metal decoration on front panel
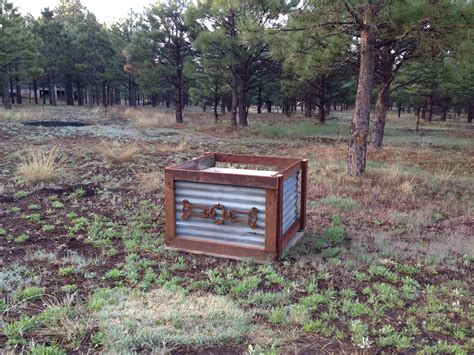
pixel 225 215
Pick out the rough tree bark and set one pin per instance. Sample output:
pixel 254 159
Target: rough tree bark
pixel 223 105
pixel 178 94
pixel 234 82
pixel 243 121
pixel 80 99
pixel 381 107
pixel 269 106
pixel 321 114
pixel 216 103
pixel 104 93
pixel 429 105
pixel 444 108
pixel 322 100
pixel 69 92
pixel 259 99
pixel 35 89
pixel 18 90
pixel 90 94
pixel 356 155
pixel 52 92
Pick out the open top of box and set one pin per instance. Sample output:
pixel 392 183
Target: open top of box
pixel 241 171
pixel 205 169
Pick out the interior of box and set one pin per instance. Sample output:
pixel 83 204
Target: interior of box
pixel 241 171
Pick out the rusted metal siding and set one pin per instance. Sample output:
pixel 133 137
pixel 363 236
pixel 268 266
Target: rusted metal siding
pixel 231 197
pixel 290 202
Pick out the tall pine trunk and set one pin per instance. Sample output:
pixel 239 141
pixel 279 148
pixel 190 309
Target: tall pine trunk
pixel 269 106
pixel 470 112
pixel 69 92
pixel 6 90
pixel 104 93
pixel 356 155
pixel 381 108
pixel 232 32
pixel 243 119
pixel 52 92
pixel 429 105
pixel 90 93
pixel 35 89
pixel 18 90
pixel 322 100
pixel 321 114
pixel 80 99
pixel 223 105
pixel 259 99
pixel 233 112
pixel 178 96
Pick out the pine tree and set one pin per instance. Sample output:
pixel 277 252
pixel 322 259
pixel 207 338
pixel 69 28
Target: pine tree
pixel 17 46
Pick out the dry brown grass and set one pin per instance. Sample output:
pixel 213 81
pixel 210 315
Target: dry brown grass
pixel 117 152
pixel 170 147
pixel 150 118
pixel 40 165
pixel 150 182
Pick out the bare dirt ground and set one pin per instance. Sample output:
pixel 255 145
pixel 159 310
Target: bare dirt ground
pixel 386 263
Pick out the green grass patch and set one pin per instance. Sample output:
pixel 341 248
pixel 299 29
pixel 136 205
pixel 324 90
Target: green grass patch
pixel 169 317
pixel 341 202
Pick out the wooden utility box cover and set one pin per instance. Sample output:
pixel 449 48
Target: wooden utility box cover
pixel 235 205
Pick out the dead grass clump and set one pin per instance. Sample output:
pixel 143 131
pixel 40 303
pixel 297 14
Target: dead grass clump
pixel 117 152
pixel 182 146
pixel 40 165
pixel 150 182
pixel 151 119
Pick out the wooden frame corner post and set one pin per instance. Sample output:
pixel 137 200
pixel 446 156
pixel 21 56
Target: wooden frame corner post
pixel 170 211
pixel 279 215
pixel 271 222
pixel 304 187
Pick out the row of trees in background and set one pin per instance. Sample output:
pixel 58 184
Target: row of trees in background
pixel 314 56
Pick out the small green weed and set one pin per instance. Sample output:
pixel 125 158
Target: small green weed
pixel 57 204
pixel 29 293
pixel 115 274
pixel 66 271
pixel 46 350
pixel 48 227
pixel 21 194
pixel 343 203
pixel 23 238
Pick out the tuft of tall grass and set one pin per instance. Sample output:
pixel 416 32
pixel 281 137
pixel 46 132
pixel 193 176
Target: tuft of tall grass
pixel 150 182
pixel 40 165
pixel 116 152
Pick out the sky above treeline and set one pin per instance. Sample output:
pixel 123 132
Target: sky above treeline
pixel 106 11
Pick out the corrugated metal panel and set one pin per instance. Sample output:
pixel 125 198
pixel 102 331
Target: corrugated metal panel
pixel 232 197
pixel 290 201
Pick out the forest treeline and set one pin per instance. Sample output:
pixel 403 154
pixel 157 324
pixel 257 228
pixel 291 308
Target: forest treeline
pixel 314 56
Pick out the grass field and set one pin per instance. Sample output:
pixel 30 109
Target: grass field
pixel 386 263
